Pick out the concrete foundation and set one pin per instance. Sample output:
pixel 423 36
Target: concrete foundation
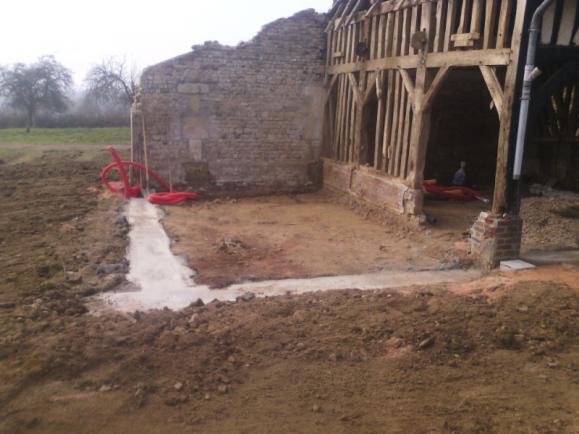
pixel 496 238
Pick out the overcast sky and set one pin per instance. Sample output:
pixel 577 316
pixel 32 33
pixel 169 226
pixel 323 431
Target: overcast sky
pixel 79 33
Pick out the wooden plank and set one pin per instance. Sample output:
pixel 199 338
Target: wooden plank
pixel 406 140
pixel 389 35
pixel 331 86
pixel 329 50
pixel 405 30
pixel 435 87
pixel 347 122
pixel 351 130
pixel 426 24
pixel 408 83
pixel 355 39
pixel 360 146
pixel 337 37
pixel 381 30
pixel 464 13
pixel 353 13
pixel 465 39
pixel 504 19
pixel 379 120
pixel 340 116
pixel 450 19
pixel 567 24
pixel 373 38
pixel 348 55
pixel 369 91
pixel 400 137
pixel 396 35
pixel 494 87
pixel 355 88
pixel 388 120
pixel 490 20
pixel 413 27
pixel 476 16
pixel 331 127
pixel 394 129
pixel 372 10
pixel 439 32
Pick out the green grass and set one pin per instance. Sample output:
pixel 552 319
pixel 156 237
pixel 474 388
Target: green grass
pixel 65 136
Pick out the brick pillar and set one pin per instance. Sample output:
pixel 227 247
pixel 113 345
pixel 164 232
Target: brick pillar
pixel 496 238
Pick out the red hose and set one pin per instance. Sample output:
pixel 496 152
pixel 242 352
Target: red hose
pixel 171 198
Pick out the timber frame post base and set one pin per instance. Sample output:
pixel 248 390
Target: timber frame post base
pixel 373 187
pixel 496 238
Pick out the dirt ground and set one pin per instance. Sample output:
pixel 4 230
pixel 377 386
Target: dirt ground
pixel 309 235
pixel 498 355
pixel 325 234
pixel 550 223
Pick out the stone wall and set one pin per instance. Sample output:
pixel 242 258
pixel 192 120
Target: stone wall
pixel 243 120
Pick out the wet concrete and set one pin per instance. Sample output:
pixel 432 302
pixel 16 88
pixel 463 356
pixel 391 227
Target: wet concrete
pixel 160 279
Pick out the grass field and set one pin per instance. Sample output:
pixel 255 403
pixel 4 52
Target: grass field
pixel 65 136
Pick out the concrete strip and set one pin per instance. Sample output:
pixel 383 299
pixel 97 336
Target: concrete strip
pixel 160 279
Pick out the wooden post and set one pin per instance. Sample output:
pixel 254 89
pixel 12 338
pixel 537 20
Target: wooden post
pixel 502 173
pixel 421 121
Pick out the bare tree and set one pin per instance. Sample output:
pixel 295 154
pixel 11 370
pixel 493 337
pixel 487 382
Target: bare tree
pixel 112 81
pixel 39 86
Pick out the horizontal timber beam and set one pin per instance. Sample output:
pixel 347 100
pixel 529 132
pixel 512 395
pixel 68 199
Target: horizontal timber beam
pixel 499 57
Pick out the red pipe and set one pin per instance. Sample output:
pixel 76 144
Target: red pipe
pixel 171 198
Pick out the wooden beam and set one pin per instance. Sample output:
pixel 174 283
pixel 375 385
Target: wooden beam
pixel 504 19
pixel 331 87
pixel 354 10
pixel 379 120
pixel 476 16
pixel 356 90
pixel 369 92
pixel 340 21
pixel 450 18
pixel 491 57
pixel 494 87
pixel 489 29
pixel 434 88
pixel 502 172
pixel 371 11
pixel 439 29
pixel 388 121
pixel 408 83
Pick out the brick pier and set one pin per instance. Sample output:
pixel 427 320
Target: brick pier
pixel 496 238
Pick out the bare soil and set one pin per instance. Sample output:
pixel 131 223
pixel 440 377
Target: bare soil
pixel 310 235
pixel 498 355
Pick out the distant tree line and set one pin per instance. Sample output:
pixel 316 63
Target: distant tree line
pixel 41 95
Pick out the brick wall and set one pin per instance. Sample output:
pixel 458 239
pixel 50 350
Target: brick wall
pixel 245 119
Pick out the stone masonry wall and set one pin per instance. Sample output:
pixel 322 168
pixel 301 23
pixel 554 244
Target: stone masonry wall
pixel 243 120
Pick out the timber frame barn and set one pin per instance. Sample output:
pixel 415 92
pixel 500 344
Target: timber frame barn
pixel 386 64
pixel 371 99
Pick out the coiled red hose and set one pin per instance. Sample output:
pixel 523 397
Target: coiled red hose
pixel 170 198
